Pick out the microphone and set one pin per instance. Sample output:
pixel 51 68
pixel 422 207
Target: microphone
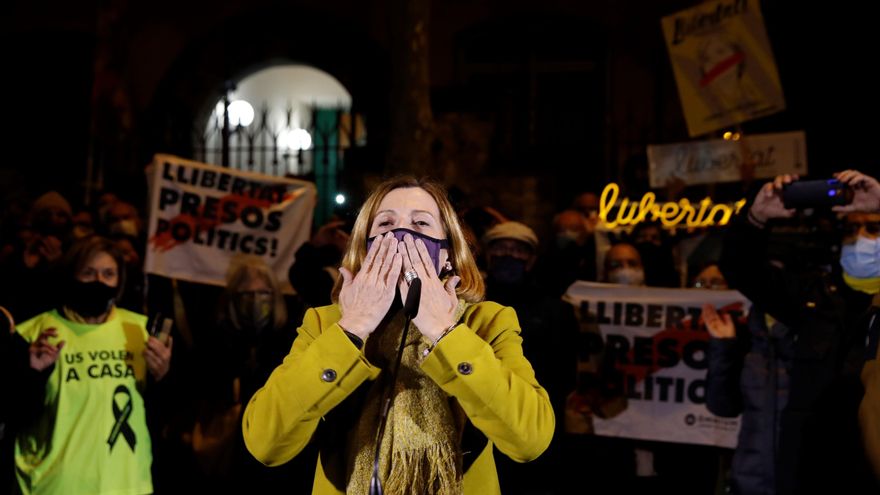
pixel 413 297
pixel 410 310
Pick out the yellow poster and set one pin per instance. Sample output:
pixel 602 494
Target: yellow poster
pixel 723 64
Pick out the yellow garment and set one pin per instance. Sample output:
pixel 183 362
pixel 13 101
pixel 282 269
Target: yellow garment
pixel 866 285
pixel 420 433
pixel 92 436
pixel 479 365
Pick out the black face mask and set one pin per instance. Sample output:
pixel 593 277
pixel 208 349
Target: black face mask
pixel 91 299
pixel 507 269
pixel 253 310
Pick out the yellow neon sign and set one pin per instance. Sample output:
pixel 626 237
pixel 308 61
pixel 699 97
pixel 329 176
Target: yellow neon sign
pixel 670 214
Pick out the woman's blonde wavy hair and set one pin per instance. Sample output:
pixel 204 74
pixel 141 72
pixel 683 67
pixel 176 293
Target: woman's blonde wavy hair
pixel 471 287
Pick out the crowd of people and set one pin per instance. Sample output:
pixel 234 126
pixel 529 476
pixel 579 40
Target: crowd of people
pixel 366 381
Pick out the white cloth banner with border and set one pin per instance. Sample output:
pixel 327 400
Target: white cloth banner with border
pixel 642 364
pixel 721 160
pixel 202 215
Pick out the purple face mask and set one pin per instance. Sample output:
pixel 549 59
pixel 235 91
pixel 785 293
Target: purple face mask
pixel 434 245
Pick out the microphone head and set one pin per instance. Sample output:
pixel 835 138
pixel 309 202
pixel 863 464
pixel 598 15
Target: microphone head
pixel 413 297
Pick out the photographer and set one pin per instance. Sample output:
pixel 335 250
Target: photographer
pixel 817 442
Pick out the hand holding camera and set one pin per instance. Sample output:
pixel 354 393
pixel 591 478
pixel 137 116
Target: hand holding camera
pixel 849 191
pixel 769 203
pixel 865 192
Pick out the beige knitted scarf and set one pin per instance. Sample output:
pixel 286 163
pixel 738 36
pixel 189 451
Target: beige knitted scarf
pixel 422 435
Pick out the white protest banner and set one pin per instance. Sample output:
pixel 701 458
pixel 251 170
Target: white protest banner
pixel 721 160
pixel 642 364
pixel 723 64
pixel 202 215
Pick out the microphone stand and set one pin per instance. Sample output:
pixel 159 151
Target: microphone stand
pixel 410 310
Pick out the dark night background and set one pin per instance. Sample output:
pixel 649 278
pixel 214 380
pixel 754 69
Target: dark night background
pixel 535 100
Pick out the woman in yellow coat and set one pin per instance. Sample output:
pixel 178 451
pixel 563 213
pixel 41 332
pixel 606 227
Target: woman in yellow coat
pixel 463 384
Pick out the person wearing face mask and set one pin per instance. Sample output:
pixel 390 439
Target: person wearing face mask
pixel 825 313
pixel 462 386
pixel 623 265
pixel 572 256
pixel 89 364
pixel 549 333
pixel 251 338
pixel 123 219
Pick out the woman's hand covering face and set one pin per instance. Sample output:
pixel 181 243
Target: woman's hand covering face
pixel 365 298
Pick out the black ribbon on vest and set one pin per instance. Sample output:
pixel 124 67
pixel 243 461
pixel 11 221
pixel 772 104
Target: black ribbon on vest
pixel 121 426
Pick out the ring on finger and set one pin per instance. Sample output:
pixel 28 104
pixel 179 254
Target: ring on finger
pixel 410 275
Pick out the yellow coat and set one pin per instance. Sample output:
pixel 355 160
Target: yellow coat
pixel 480 363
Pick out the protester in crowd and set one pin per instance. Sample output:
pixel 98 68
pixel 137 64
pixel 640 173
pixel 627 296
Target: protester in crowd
pixel 105 201
pixel 549 333
pixel 869 409
pixel 623 265
pixel 35 259
pixel 588 204
pixel 463 384
pixel 51 216
pixel 83 225
pixel 314 269
pixel 657 259
pixel 688 468
pixel 573 255
pixel 475 221
pixel 862 270
pixel 123 218
pixel 251 338
pixel 88 367
pixel 759 391
pixel 813 317
pixel 709 277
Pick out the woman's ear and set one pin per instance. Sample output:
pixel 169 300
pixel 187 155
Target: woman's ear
pixel 445 265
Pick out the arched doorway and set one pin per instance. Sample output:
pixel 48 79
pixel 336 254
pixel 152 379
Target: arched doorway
pixel 285 120
pixel 282 120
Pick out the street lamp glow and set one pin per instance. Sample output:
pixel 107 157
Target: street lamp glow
pixel 296 139
pixel 241 113
pixel 340 199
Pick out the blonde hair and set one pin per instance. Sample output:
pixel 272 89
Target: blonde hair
pixel 471 287
pixel 244 267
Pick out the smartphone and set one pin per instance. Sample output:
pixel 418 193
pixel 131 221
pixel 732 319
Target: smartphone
pixel 160 327
pixel 816 193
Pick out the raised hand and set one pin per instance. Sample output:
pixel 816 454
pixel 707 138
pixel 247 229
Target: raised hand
pixel 866 192
pixel 42 353
pixel 720 326
pixel 438 302
pixel 768 203
pixel 158 356
pixel 365 298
